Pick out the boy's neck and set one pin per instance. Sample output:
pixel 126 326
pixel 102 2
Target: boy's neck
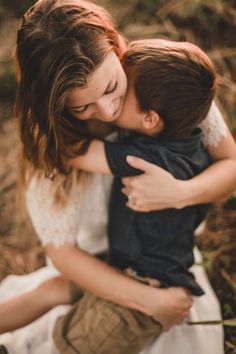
pixel 150 132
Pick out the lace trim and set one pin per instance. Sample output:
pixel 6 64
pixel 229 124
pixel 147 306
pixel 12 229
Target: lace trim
pixel 51 225
pixel 82 223
pixel 213 127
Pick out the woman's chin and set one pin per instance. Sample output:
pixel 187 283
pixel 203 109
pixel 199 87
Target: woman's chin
pixel 99 128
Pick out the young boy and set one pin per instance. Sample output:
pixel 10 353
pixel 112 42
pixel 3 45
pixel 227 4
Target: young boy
pixel 171 88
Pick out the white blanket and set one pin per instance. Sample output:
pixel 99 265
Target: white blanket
pixel 36 338
pixel 75 224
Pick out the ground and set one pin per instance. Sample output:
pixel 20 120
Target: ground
pixel 210 24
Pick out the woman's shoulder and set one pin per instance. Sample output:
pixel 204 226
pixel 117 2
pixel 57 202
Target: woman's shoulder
pixel 82 217
pixel 213 127
pixel 52 224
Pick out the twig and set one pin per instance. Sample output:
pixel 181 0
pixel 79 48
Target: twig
pixel 230 322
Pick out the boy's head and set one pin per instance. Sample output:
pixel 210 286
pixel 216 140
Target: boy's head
pixel 171 87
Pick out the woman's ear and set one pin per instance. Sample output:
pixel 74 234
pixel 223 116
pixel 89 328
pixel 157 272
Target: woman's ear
pixel 152 121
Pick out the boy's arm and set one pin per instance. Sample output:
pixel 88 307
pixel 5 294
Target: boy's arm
pixel 94 160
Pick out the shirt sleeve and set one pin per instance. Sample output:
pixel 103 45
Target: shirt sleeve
pixel 52 224
pixel 213 127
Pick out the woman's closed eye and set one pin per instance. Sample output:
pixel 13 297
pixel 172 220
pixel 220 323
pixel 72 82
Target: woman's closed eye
pixel 81 109
pixel 111 90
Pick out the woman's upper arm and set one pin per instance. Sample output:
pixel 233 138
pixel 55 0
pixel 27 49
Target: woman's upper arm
pixel 52 224
pixel 216 136
pixel 225 149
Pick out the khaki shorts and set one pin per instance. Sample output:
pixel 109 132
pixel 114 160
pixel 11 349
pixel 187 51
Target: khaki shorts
pixel 97 326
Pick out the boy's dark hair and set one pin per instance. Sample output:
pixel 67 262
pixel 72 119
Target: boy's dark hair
pixel 175 79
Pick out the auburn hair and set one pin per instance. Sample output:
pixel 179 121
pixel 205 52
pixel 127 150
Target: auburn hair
pixel 175 79
pixel 59 43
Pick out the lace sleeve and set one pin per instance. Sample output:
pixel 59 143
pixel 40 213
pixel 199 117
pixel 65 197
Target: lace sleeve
pixel 213 127
pixel 52 225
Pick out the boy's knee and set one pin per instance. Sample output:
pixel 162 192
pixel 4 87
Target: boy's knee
pixel 96 326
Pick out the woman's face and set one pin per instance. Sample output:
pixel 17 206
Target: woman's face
pixel 104 94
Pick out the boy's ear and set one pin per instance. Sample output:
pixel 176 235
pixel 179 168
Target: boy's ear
pixel 152 120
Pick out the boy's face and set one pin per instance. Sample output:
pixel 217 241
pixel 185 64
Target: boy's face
pixel 131 116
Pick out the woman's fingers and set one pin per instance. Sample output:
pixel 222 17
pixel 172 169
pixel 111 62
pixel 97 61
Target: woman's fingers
pixel 185 314
pixel 136 207
pixel 139 164
pixel 126 190
pixel 128 181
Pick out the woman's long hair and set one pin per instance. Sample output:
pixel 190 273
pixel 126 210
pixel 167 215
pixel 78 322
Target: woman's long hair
pixel 59 43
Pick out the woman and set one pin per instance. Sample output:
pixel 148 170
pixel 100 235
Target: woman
pixel 53 60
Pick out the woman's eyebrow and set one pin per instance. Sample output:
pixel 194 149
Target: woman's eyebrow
pixel 87 104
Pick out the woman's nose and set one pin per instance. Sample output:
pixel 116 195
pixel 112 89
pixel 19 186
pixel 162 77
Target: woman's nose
pixel 105 108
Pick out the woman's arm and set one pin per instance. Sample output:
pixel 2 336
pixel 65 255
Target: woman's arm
pixel 94 160
pixel 59 229
pixel 158 189
pixel 169 306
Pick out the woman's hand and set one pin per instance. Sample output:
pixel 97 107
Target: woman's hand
pixel 169 306
pixel 154 190
pixel 157 189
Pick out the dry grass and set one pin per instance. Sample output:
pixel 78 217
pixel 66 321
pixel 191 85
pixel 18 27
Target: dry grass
pixel 218 245
pixel 19 248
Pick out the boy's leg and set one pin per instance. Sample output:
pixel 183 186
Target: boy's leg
pixel 25 308
pixel 96 326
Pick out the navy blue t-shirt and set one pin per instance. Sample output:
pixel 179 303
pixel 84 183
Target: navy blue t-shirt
pixel 157 244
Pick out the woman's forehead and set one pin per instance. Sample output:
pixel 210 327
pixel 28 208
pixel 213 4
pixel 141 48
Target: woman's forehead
pixel 97 83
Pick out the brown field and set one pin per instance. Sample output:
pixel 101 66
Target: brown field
pixel 211 25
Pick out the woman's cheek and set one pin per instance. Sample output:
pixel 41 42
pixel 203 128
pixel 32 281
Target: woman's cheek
pixel 83 116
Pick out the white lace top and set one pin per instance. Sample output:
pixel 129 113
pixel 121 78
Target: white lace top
pixel 85 223
pixel 213 127
pixel 82 223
